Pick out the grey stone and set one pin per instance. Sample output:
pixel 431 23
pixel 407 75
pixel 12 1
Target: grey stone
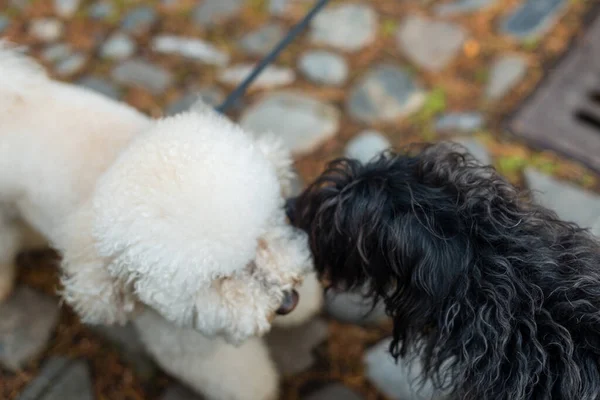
pixel 348 27
pixel 4 22
pixel 278 7
pixel 397 381
pixel 533 18
pixel 291 348
pixel 211 12
pixel 119 46
pixel 262 40
pixel 20 4
pixel 385 94
pixel 334 391
pixel 367 145
pixel 506 72
pixel 459 122
pixel 596 228
pixel 211 96
pixel 139 20
pixel 570 202
pixel 101 10
pixel 28 319
pixel 60 379
pixel 430 44
pixel 49 373
pixel 56 52
pixel 353 307
pixel 46 29
pixel 126 339
pixel 476 149
pixel 143 74
pixel 307 124
pixel 73 64
pixel 459 7
pixel 194 49
pixel 101 86
pixel 66 8
pixel 270 77
pixel 179 392
pixel 324 67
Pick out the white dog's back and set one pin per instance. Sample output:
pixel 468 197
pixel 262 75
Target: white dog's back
pixel 53 132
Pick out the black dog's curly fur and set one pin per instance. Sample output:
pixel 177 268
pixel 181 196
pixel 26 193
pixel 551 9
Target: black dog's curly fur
pixel 498 297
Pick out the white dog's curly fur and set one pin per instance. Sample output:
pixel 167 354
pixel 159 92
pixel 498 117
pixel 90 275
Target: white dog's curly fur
pixel 183 215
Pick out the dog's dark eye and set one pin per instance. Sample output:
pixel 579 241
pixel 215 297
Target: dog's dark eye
pixel 290 208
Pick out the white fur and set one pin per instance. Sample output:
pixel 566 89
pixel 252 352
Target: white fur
pixel 183 216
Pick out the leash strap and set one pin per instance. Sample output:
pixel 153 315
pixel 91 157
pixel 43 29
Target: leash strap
pixel 240 90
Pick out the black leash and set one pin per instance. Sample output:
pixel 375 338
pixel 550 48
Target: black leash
pixel 299 27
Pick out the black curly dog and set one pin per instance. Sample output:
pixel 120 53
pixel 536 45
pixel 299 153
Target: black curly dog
pixel 494 295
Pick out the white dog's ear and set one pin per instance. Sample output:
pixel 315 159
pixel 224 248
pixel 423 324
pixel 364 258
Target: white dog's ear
pixel 274 150
pixel 88 287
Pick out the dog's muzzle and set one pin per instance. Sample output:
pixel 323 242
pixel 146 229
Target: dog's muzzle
pixel 289 303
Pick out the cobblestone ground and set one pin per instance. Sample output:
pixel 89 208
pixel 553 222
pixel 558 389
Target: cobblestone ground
pixel 365 76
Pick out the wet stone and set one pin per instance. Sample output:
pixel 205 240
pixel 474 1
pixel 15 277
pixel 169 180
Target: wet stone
pixel 460 7
pixel 143 74
pixel 139 20
pixel 4 23
pixel 533 18
pixel 353 307
pixel 60 379
pixel 101 86
pixel 71 65
pixel 66 8
pixel 263 40
pixel 506 72
pixel 307 124
pixel 334 391
pixel 430 44
pixel 324 67
pixel 271 77
pixel 191 48
pixel 570 202
pixel 292 348
pixel 28 319
pixel 385 94
pixel 119 46
pixel 46 29
pixel 367 145
pixel 56 52
pixel 348 27
pixel 396 381
pixel 459 122
pixel 211 12
pixel 101 10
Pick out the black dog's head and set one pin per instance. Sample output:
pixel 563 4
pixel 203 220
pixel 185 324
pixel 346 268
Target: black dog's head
pixel 494 293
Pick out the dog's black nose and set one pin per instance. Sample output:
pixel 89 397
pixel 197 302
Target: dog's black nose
pixel 290 301
pixel 290 208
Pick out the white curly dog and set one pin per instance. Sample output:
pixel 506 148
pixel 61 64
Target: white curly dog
pixel 176 224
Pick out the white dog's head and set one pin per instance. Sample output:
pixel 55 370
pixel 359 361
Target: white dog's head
pixel 190 221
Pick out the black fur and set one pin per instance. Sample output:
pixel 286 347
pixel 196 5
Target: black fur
pixel 498 297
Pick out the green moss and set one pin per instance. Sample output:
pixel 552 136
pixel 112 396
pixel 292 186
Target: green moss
pixel 435 103
pixel 481 75
pixel 530 44
pixel 510 165
pixel 388 27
